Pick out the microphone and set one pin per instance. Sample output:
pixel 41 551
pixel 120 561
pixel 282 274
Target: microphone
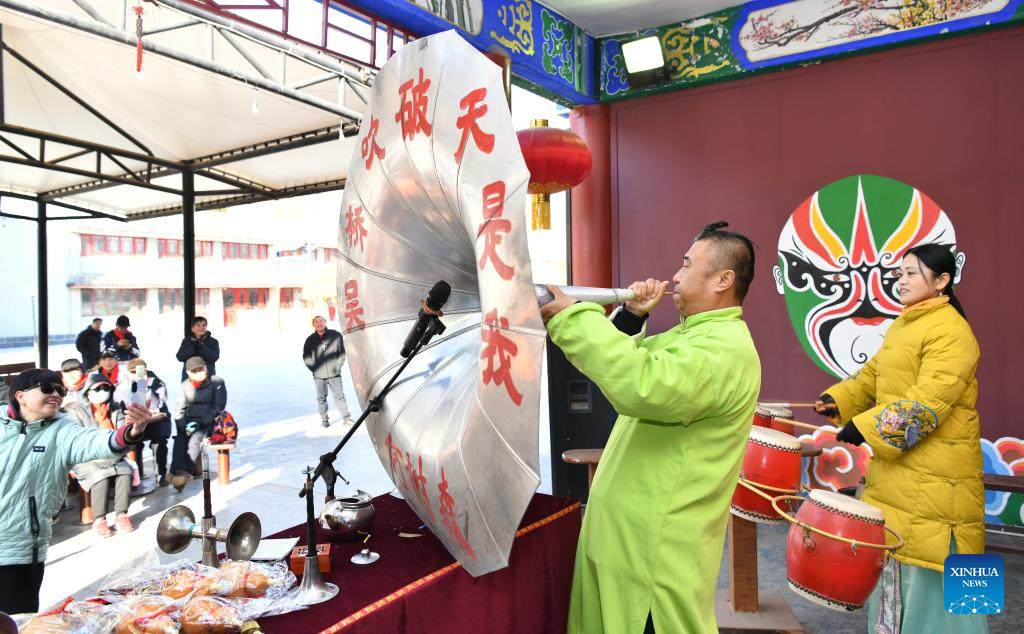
pixel 431 310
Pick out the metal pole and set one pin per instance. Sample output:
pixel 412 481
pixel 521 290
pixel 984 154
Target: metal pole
pixel 42 291
pixel 3 91
pixel 267 39
pixel 96 28
pixel 93 13
pixel 188 214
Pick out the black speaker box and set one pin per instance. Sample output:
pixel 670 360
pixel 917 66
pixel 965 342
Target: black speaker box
pixel 581 418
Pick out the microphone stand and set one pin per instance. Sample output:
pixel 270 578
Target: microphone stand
pixel 326 466
pixel 209 521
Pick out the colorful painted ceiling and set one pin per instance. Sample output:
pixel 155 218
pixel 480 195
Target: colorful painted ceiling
pixel 555 57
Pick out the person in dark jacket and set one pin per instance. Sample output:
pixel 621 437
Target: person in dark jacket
pixel 99 411
pixel 159 430
pixel 88 344
pixel 203 398
pixel 324 354
pixel 121 340
pixel 199 344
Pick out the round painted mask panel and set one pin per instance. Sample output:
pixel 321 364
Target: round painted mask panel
pixel 838 255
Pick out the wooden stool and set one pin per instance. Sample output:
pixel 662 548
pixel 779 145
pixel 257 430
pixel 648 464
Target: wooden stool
pixel 589 457
pixel 742 607
pixel 223 462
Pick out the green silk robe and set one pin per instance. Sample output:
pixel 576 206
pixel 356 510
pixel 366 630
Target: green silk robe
pixel 654 528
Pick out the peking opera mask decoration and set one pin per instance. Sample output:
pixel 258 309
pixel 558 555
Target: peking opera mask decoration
pixel 838 257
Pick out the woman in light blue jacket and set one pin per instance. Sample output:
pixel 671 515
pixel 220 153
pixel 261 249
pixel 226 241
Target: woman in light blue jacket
pixel 38 446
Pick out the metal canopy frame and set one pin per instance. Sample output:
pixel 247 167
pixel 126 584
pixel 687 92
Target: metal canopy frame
pixel 114 167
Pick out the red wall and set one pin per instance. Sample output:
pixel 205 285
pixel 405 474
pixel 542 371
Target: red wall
pixel 946 117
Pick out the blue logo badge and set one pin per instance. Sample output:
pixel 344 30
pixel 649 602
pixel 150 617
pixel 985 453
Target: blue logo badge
pixel 973 584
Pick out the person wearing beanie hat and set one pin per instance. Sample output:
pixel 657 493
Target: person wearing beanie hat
pixel 98 411
pixel 38 446
pixel 203 398
pixel 121 341
pixel 109 367
pixel 199 343
pixel 159 431
pixel 74 380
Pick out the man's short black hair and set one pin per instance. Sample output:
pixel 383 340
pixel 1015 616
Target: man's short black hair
pixel 733 251
pixel 95 319
pixel 197 319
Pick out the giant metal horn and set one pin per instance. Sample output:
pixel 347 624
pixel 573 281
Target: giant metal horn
pixel 178 528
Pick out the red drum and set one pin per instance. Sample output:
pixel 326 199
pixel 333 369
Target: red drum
pixel 765 415
pixel 772 459
pixel 827 571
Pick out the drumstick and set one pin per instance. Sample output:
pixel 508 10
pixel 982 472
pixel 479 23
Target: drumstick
pixel 806 425
pixel 787 405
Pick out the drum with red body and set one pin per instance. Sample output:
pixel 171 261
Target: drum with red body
pixel 772 459
pixel 827 571
pixel 765 415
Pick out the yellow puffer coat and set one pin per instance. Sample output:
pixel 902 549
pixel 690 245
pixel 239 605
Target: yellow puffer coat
pixel 914 403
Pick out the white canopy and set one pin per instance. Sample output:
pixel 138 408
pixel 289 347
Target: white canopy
pixel 79 126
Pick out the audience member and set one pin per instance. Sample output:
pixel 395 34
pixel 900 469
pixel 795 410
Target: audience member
pixel 324 354
pixel 199 344
pixel 122 341
pixel 109 367
pixel 203 398
pixel 88 344
pixel 35 481
pixel 159 430
pixel 74 381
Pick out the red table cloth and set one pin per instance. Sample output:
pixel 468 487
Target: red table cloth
pixel 417 587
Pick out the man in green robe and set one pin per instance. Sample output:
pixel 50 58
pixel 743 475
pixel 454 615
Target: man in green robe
pixel 653 532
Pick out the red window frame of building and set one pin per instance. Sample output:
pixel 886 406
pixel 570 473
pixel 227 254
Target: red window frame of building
pixel 93 244
pixel 291 297
pixel 244 251
pixel 246 298
pixel 112 301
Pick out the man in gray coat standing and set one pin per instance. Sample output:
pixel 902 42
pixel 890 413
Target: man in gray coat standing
pixel 324 354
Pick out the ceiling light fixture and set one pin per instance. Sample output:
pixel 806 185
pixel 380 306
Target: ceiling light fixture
pixel 645 61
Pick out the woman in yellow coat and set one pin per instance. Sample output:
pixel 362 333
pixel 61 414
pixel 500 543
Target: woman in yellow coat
pixel 914 404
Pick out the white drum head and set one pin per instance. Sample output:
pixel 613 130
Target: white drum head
pixel 847 505
pixel 774 411
pixel 774 438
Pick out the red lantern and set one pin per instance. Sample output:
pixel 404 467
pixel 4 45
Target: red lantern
pixel 557 159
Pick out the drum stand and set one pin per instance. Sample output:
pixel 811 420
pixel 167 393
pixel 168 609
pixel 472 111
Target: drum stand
pixel 742 607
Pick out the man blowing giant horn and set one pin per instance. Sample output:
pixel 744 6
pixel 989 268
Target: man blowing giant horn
pixel 654 530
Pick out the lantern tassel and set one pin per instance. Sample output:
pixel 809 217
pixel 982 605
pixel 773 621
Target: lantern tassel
pixel 541 211
pixel 138 37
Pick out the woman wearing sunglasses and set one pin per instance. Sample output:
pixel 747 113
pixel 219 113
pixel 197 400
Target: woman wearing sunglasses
pixel 38 446
pixel 98 411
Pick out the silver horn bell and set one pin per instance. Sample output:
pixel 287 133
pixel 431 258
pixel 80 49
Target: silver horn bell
pixel 178 528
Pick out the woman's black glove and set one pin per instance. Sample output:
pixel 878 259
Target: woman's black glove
pixel 826 406
pixel 850 434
